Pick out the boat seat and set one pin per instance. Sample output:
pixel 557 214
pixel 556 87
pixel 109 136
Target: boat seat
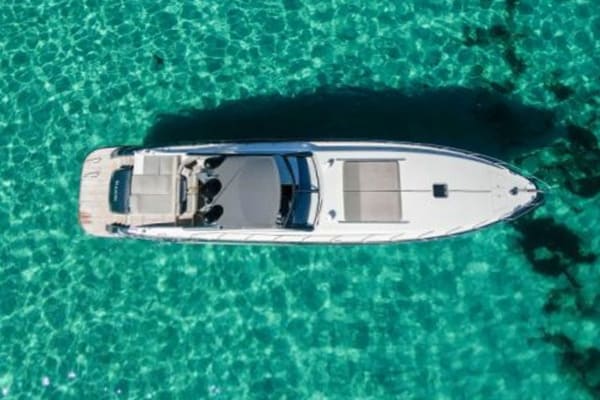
pixel 210 189
pixel 213 162
pixel 213 214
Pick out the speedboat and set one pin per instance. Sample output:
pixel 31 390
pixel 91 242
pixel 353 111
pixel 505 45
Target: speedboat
pixel 298 192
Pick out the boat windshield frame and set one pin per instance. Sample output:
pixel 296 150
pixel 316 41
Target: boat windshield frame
pixel 314 187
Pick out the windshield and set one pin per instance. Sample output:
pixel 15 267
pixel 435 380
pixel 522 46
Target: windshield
pixel 299 191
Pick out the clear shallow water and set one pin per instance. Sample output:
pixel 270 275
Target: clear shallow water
pixel 478 316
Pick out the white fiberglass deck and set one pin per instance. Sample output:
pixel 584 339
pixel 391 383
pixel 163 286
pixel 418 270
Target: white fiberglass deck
pixel 478 194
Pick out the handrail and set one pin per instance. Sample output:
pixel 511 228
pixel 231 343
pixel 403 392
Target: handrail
pixel 367 237
pixel 490 159
pixel 539 199
pixel 396 236
pixel 425 234
pixel 480 224
pixel 539 183
pixel 456 228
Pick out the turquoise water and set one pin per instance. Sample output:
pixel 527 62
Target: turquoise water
pixel 510 312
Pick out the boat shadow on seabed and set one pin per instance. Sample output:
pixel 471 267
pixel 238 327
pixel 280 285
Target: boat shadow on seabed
pixel 473 119
pixel 478 120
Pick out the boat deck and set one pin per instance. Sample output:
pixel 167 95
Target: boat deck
pixel 94 206
pixel 475 194
pixel 94 209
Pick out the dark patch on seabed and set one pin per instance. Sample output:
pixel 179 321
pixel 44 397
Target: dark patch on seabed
pixel 572 301
pixel 475 119
pixel 504 35
pixel 574 162
pixel 555 250
pixel 552 248
pixel 157 61
pixel 583 363
pixel 559 90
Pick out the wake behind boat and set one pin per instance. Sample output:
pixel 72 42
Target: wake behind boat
pixel 297 192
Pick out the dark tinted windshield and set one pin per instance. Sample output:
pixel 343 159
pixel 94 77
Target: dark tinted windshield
pixel 297 191
pixel 119 190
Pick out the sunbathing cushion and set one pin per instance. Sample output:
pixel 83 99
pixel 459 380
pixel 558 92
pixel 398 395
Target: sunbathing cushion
pixel 151 204
pixel 152 184
pixel 372 191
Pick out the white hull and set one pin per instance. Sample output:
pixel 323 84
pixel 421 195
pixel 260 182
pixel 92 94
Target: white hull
pixel 478 192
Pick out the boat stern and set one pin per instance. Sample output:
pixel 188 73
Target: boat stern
pixel 96 187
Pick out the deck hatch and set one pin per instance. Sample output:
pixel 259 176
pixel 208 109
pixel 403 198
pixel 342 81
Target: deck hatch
pixel 372 191
pixel 440 190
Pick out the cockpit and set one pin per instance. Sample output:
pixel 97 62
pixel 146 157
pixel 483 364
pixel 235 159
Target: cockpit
pixel 218 191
